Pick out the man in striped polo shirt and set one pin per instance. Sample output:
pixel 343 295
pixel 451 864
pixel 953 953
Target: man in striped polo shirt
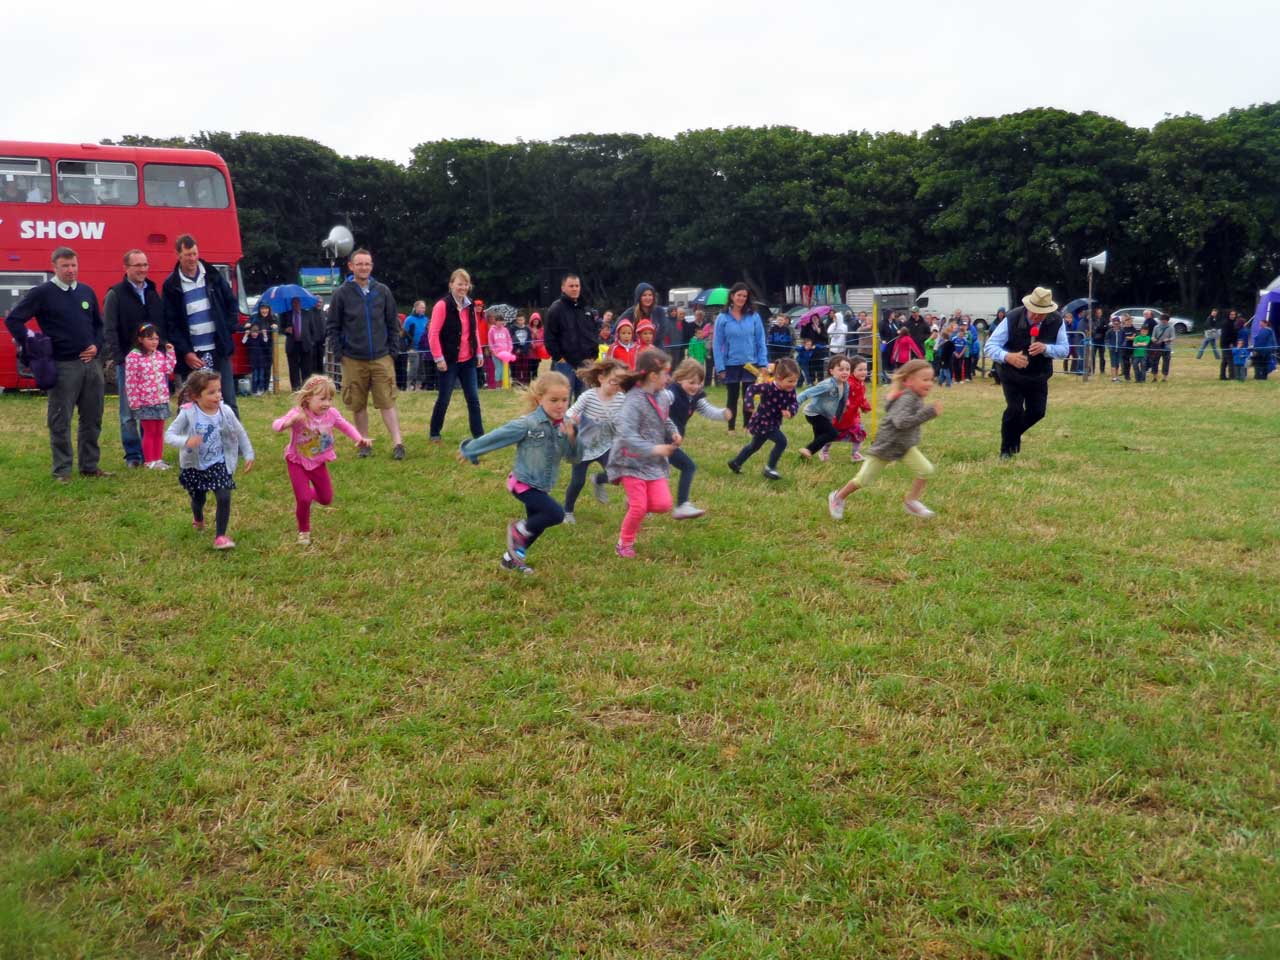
pixel 200 316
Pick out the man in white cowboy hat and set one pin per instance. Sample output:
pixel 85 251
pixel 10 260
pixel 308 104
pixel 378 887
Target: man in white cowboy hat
pixel 1026 343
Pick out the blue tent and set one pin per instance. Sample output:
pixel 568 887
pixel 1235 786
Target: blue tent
pixel 1268 306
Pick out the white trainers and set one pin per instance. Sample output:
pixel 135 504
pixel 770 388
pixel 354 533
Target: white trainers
pixel 687 511
pixel 157 465
pixel 569 518
pixel 917 509
pixel 835 506
pixel 304 538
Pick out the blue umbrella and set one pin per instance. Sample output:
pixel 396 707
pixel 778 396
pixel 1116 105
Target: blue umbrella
pixel 278 297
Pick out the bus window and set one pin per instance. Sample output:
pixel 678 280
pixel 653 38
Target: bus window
pixel 171 185
pixel 14 285
pixel 98 183
pixel 25 180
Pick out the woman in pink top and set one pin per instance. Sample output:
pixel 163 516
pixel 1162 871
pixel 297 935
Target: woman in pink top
pixel 455 343
pixel 311 424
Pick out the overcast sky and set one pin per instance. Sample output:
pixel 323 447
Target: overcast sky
pixel 376 78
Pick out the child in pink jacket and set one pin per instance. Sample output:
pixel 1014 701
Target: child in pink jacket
pixel 500 347
pixel 904 348
pixel 147 369
pixel 310 448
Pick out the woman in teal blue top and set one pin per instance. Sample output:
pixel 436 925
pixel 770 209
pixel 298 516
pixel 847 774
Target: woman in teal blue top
pixel 739 340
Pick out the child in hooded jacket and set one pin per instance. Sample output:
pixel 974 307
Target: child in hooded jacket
pixel 624 349
pixel 542 437
pixel 644 439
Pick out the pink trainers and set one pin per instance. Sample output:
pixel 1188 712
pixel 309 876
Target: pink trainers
pixel 197 525
pixel 825 453
pixel 223 543
pixel 626 551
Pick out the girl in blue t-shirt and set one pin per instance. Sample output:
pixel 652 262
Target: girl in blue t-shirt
pixel 211 440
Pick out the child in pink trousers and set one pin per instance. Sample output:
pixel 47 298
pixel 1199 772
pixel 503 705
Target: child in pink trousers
pixel 311 424
pixel 644 437
pixel 147 369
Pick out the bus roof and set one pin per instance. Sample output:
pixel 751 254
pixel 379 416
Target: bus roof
pixel 108 152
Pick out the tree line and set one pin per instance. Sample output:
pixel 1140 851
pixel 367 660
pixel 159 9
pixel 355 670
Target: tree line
pixel 1189 209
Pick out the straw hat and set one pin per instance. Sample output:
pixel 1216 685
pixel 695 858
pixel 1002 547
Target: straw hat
pixel 1040 300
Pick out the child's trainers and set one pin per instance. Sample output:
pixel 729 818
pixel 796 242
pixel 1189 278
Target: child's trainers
pixel 304 538
pixel 771 473
pixel 600 490
pixel 856 457
pixel 917 509
pixel 625 550
pixel 734 465
pixel 223 543
pixel 825 453
pixel 835 506
pixel 197 525
pixel 687 511
pixel 516 541
pixel 511 562
pixel 569 518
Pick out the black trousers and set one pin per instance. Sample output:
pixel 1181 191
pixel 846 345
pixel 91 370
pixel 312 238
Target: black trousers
pixel 824 432
pixel 1025 402
pixel 758 440
pixel 542 512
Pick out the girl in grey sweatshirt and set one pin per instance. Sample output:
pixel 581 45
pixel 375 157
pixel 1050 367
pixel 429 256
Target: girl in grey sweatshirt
pixel 897 439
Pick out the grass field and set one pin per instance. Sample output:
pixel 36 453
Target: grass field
pixel 1042 725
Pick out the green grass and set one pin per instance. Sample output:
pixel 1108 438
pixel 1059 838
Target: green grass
pixel 1042 725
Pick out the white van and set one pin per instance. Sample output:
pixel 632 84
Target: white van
pixel 682 296
pixel 980 303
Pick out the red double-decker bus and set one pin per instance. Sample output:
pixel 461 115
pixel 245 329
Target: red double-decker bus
pixel 102 201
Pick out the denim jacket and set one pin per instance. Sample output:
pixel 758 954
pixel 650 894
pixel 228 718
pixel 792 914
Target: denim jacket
pixel 829 398
pixel 540 446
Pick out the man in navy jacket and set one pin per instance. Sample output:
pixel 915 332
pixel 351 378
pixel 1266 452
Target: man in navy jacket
pixel 68 314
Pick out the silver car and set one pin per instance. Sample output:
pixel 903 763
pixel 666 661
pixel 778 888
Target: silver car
pixel 1182 325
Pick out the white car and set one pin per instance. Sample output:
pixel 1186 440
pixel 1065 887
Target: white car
pixel 1182 325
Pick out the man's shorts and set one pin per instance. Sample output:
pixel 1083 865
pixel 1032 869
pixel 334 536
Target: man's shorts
pixel 362 377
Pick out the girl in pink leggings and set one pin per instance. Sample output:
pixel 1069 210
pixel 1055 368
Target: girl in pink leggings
pixel 644 437
pixel 311 423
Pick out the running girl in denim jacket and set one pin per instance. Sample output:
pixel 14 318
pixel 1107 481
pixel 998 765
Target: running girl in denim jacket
pixel 542 437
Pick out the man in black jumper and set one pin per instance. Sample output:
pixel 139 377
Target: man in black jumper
pixel 128 305
pixel 1026 342
pixel 68 314
pixel 571 334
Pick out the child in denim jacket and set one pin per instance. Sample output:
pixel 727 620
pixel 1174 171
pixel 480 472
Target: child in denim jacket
pixel 543 437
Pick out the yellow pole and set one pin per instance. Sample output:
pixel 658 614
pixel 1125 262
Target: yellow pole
pixel 875 370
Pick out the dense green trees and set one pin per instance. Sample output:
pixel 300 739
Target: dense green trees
pixel 1190 209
